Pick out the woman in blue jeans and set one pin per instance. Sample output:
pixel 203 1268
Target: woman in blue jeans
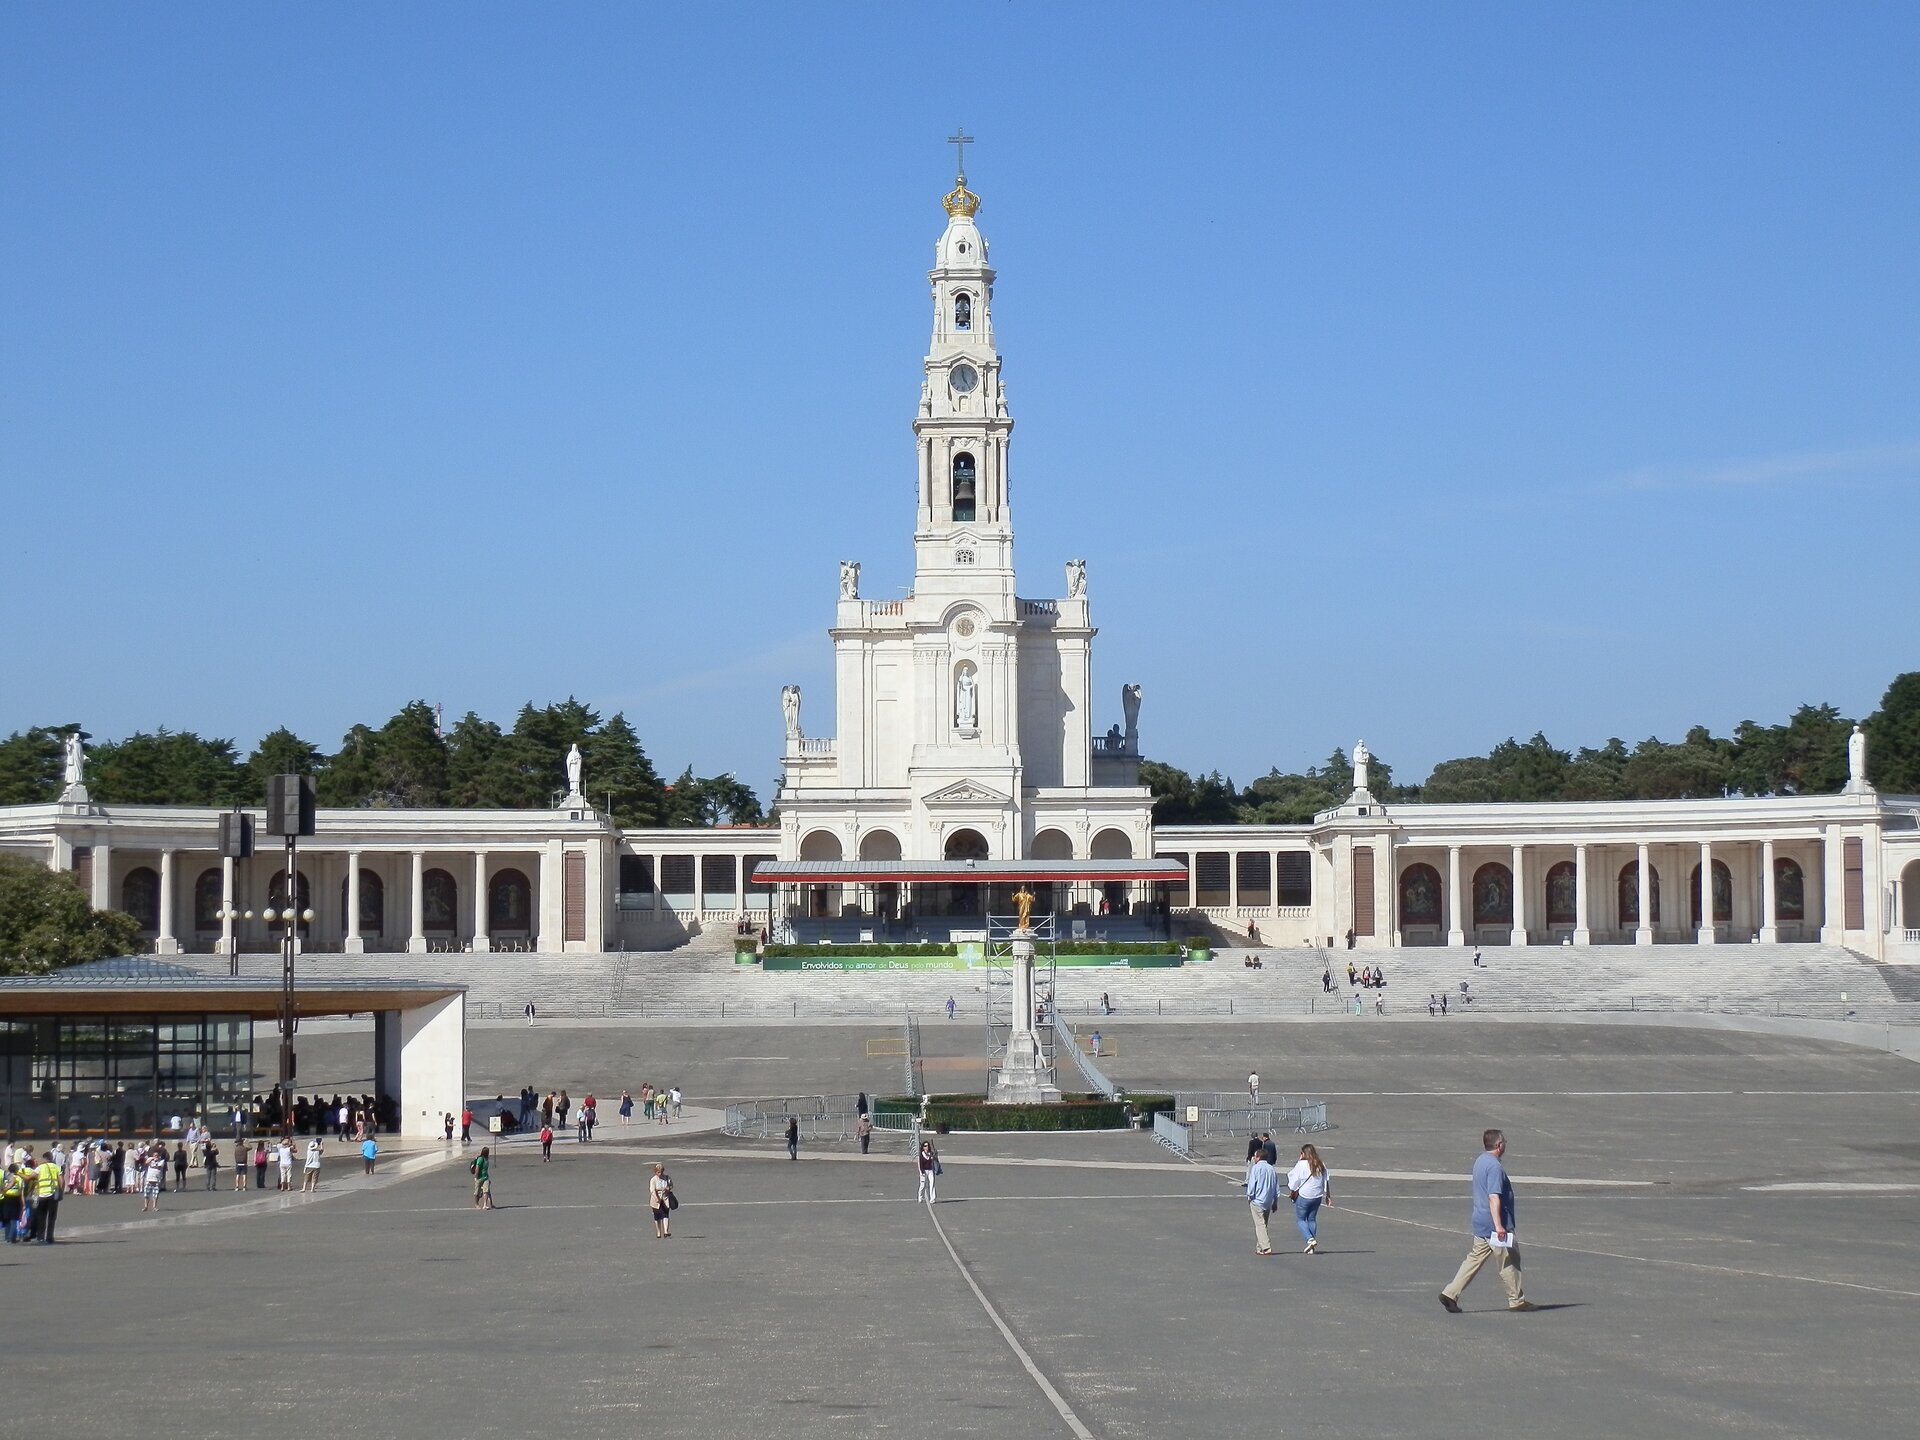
pixel 1310 1187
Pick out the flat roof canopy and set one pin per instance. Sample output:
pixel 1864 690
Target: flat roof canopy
pixel 136 985
pixel 964 872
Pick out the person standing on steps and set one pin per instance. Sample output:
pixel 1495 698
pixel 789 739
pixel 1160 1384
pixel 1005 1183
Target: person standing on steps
pixel 1263 1193
pixel 793 1137
pixel 1492 1221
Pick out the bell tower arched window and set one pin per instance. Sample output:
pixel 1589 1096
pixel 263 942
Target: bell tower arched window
pixel 963 311
pixel 963 486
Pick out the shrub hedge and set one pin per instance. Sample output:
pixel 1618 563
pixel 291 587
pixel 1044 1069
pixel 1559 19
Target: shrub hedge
pixel 1071 1112
pixel 902 947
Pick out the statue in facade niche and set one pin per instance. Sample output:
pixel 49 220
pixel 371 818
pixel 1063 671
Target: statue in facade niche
pixel 965 701
pixel 790 708
pixel 1130 707
pixel 1076 578
pixel 849 579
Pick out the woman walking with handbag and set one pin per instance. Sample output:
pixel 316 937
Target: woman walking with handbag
pixel 929 1172
pixel 1309 1186
pixel 661 1200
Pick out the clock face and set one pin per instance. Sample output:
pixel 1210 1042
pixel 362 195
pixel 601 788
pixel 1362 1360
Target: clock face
pixel 964 378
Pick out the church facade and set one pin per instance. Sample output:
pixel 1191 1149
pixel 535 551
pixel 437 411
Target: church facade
pixel 965 732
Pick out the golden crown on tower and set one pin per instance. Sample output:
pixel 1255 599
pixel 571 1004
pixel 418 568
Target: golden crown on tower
pixel 961 201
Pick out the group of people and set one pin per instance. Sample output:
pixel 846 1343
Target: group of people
pixel 31 1189
pixel 1492 1214
pixel 1308 1187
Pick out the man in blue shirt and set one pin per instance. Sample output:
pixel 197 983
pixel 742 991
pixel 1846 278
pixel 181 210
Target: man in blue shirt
pixel 1263 1193
pixel 1493 1221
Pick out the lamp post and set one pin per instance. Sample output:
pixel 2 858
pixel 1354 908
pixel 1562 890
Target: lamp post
pixel 233 917
pixel 289 814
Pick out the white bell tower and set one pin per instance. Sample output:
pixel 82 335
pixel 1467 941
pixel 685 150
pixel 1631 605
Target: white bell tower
pixel 963 537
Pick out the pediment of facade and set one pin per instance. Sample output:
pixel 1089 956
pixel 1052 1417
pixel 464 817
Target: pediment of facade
pixel 966 792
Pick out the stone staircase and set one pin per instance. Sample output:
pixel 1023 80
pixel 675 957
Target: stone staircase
pixel 701 980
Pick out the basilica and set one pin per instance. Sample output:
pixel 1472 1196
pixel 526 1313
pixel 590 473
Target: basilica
pixel 961 757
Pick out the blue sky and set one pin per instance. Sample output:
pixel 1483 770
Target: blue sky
pixel 1427 373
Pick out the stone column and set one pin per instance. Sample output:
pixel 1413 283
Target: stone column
pixel 1386 889
pixel 1833 900
pixel 481 940
pixel 1519 936
pixel 165 943
pixel 1456 932
pixel 659 893
pixel 417 906
pixel 102 875
pixel 1643 935
pixel 1769 930
pixel 227 945
pixel 354 943
pixel 1706 935
pixel 1582 932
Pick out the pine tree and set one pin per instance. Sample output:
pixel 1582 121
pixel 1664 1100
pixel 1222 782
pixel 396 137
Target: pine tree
pixel 612 761
pixel 280 753
pixel 30 765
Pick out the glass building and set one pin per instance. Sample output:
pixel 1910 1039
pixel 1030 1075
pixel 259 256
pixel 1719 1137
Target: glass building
pixel 78 1075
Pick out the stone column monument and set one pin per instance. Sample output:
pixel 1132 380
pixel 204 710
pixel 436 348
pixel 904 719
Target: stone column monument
pixel 1023 1077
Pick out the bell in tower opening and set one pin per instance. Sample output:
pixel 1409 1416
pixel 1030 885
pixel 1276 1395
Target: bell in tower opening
pixel 963 486
pixel 963 311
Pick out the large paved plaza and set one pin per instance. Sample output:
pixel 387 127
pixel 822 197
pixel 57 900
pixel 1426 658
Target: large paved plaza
pixel 1719 1226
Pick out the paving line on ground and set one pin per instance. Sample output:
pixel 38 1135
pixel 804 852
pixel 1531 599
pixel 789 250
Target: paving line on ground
pixel 1655 1259
pixel 1054 1397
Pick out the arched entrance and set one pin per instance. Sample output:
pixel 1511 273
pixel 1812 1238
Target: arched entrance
pixel 822 901
pixel 206 902
pixel 1420 903
pixel 510 905
pixel 140 896
pixel 1789 890
pixel 277 899
pixel 1563 894
pixel 439 904
pixel 965 845
pixel 1111 844
pixel 885 895
pixel 1492 896
pixel 1910 896
pixel 1629 895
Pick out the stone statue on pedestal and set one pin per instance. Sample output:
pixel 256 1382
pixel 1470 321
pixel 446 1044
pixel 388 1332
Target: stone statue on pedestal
pixel 1023 900
pixel 1361 755
pixel 573 773
pixel 1130 707
pixel 73 769
pixel 1857 761
pixel 790 709
pixel 1076 579
pixel 849 579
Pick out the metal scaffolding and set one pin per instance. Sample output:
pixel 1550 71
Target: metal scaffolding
pixel 1002 988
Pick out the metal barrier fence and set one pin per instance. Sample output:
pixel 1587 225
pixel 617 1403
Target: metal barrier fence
pixel 1172 1134
pixel 913 1055
pixel 1301 1119
pixel 1063 1036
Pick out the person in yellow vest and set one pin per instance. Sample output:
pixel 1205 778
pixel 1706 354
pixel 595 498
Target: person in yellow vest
pixel 46 1198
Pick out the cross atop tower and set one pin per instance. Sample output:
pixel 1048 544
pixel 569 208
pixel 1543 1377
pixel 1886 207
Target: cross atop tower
pixel 960 140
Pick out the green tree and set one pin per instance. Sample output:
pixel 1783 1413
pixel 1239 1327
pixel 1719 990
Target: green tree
pixel 473 753
pixel 351 779
pixel 411 759
pixel 613 763
pixel 1699 768
pixel 280 753
pixel 167 768
pixel 1806 756
pixel 1598 774
pixel 1180 799
pixel 1893 736
pixel 46 922
pixel 30 765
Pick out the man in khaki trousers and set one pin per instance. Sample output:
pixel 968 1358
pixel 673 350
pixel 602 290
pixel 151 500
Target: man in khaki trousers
pixel 1263 1193
pixel 1492 1221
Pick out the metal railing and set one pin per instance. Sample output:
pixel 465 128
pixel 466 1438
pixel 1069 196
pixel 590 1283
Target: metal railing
pixel 1172 1134
pixel 821 1117
pixel 1302 1119
pixel 913 1055
pixel 1090 1072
